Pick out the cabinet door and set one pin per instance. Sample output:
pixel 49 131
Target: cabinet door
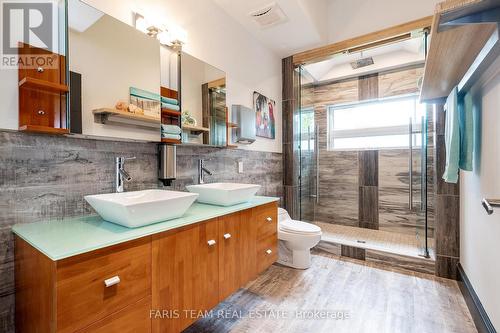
pixel 248 246
pixel 134 318
pixel 185 275
pixel 82 296
pixel 229 255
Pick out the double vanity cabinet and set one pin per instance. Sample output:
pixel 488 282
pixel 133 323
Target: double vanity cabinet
pixel 157 280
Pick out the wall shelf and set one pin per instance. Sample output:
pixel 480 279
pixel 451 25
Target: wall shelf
pixel 29 82
pixel 173 141
pixel 110 115
pixel 171 113
pixel 195 129
pixel 43 129
pixel 464 42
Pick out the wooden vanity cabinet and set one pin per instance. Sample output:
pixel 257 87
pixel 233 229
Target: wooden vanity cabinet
pixel 193 279
pixel 69 295
pixel 165 280
pixel 230 255
pixel 185 275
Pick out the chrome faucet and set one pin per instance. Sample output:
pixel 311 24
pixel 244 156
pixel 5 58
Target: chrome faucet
pixel 202 170
pixel 120 174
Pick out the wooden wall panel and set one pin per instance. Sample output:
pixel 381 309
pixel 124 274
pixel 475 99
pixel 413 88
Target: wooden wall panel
pixel 401 82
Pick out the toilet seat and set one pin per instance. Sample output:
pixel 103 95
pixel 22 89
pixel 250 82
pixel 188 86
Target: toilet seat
pixel 299 227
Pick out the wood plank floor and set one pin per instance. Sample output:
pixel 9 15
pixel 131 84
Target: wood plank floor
pixel 371 297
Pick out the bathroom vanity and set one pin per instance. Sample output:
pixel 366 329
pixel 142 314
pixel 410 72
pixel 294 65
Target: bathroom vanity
pixel 88 275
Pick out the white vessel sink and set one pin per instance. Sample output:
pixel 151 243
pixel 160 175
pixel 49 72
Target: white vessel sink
pixel 224 194
pixel 139 208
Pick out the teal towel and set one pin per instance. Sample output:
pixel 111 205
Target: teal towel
pixel 171 129
pixel 169 100
pixel 466 133
pixel 170 136
pixel 144 94
pixel 452 138
pixel 170 106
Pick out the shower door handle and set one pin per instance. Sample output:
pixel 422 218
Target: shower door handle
pixel 423 166
pixel 410 165
pixel 316 150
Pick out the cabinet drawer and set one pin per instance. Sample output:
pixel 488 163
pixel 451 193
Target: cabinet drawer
pixel 266 218
pixel 82 295
pixel 52 69
pixel 134 318
pixel 267 252
pixel 40 108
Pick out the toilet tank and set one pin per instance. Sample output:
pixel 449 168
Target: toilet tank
pixel 283 215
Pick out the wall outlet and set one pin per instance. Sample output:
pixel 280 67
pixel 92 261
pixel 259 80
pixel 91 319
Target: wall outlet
pixel 240 167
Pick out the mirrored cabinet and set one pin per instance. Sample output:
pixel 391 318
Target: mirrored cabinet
pixel 111 80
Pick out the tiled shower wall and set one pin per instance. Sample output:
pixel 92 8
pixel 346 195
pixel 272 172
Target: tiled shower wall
pixel 45 177
pixel 341 190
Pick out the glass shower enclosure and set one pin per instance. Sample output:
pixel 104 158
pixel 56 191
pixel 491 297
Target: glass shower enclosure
pixel 333 140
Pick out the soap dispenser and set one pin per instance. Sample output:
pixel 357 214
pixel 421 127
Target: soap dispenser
pixel 167 161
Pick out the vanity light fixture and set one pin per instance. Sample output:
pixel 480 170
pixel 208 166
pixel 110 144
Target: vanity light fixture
pixel 171 36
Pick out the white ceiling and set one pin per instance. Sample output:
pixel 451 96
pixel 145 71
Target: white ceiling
pixel 404 53
pixel 82 16
pixel 305 27
pixel 314 23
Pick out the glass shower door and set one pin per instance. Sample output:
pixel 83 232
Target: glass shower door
pixel 419 180
pixel 308 151
pixel 418 176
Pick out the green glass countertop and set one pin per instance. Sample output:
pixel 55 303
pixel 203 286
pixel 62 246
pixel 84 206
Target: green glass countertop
pixel 59 239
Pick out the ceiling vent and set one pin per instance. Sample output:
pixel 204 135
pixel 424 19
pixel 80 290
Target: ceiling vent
pixel 362 63
pixel 269 16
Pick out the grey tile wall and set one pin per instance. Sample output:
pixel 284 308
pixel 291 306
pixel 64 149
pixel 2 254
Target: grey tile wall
pixel 395 213
pixel 368 212
pixel 291 162
pixel 46 177
pixel 338 188
pixel 447 199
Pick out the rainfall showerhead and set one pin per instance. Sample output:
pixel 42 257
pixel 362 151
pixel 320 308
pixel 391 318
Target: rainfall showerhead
pixel 362 63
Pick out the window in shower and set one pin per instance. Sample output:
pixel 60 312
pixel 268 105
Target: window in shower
pixel 307 129
pixel 376 124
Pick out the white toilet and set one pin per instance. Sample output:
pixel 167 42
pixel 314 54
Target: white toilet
pixel 296 238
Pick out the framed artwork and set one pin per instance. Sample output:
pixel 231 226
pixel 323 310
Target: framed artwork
pixel 264 114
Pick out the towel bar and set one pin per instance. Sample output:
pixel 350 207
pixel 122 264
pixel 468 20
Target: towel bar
pixel 488 205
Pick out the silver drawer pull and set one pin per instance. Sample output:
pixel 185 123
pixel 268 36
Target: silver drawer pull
pixel 269 219
pixel 211 242
pixel 227 236
pixel 40 70
pixel 269 251
pixel 112 281
pixel 41 112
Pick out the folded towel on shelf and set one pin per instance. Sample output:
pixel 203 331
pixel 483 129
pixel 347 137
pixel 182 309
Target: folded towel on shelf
pixel 144 94
pixel 466 132
pixel 170 106
pixel 169 100
pixel 452 138
pixel 170 129
pixel 170 136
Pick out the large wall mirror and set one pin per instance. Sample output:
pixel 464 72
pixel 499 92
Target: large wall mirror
pixel 203 91
pixel 115 77
pixel 117 82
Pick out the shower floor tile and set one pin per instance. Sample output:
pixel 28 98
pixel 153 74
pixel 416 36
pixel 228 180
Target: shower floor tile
pixel 390 242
